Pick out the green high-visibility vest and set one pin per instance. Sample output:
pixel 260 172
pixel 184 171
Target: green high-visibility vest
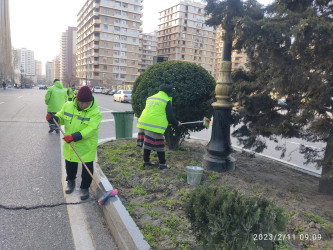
pixel 153 117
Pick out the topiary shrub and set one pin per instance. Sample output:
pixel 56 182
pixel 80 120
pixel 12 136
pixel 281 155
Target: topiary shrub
pixel 225 219
pixel 192 98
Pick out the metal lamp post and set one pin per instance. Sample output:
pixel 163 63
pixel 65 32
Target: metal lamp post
pixel 219 147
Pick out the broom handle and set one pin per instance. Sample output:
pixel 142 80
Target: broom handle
pixel 63 133
pixel 191 122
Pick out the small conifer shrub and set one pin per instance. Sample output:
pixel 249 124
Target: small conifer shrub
pixel 223 218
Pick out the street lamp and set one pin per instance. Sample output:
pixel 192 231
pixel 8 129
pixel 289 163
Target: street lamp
pixel 219 147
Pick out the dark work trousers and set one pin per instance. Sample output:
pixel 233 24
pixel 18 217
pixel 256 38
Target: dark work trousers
pixel 52 124
pixel 71 170
pixel 161 156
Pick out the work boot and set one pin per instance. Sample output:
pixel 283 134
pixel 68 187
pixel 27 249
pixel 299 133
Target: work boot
pixel 70 187
pixel 57 131
pixel 51 130
pixel 84 193
pixel 164 166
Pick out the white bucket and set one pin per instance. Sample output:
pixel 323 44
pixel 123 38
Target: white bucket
pixel 194 175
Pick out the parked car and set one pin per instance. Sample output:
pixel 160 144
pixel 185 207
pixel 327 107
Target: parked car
pixel 98 89
pixel 42 87
pixel 113 91
pixel 105 91
pixel 123 96
pixel 9 85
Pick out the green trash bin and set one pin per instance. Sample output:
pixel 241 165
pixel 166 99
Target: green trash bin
pixel 124 124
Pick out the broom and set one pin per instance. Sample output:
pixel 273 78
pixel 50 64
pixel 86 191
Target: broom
pixel 205 122
pixel 106 194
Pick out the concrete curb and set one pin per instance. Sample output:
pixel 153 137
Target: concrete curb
pixel 123 229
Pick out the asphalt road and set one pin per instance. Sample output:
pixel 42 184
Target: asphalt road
pixel 32 210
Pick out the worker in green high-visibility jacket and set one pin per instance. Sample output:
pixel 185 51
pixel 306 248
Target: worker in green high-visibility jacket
pixel 71 92
pixel 153 122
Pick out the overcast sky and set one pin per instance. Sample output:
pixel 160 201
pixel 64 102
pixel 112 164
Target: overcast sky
pixel 37 25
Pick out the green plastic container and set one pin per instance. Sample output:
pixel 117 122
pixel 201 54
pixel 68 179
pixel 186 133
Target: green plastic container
pixel 124 124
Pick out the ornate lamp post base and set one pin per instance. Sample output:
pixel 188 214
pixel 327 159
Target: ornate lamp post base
pixel 218 149
pixel 219 164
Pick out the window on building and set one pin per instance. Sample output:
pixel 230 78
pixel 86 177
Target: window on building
pixel 116 20
pixel 116 28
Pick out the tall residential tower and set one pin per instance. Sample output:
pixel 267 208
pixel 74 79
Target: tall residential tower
pixel 68 56
pixel 108 42
pixel 183 35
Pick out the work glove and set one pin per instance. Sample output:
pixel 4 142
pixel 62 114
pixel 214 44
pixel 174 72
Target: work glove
pixel 48 117
pixel 68 138
pixel 73 137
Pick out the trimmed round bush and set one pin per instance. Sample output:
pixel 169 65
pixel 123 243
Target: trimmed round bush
pixel 192 97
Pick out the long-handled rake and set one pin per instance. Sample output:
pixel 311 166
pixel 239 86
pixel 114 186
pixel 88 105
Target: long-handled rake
pixel 106 194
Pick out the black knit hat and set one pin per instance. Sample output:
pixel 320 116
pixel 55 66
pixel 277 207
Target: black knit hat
pixel 167 88
pixel 84 94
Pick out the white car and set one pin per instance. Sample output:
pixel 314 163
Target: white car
pixel 123 96
pixel 98 89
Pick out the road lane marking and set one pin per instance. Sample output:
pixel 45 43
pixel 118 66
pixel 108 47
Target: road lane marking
pixel 2 102
pixel 82 236
pixel 20 96
pixel 105 109
pixel 108 120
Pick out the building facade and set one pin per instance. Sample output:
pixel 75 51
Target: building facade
pixel 108 42
pixel 68 56
pixel 6 62
pixel 147 49
pixel 183 35
pixel 25 60
pixel 49 73
pixel 56 68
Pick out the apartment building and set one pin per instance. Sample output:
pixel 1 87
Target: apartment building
pixel 38 68
pixel 108 42
pixel 238 58
pixel 68 56
pixel 183 35
pixel 49 73
pixel 24 60
pixel 56 68
pixel 147 49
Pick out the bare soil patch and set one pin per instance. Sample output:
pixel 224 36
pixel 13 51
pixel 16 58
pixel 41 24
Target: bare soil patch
pixel 155 199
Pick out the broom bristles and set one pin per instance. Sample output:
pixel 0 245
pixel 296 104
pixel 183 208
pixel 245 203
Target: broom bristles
pixel 206 122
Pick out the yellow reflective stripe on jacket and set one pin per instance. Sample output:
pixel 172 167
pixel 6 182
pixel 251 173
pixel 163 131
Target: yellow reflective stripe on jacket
pixel 150 125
